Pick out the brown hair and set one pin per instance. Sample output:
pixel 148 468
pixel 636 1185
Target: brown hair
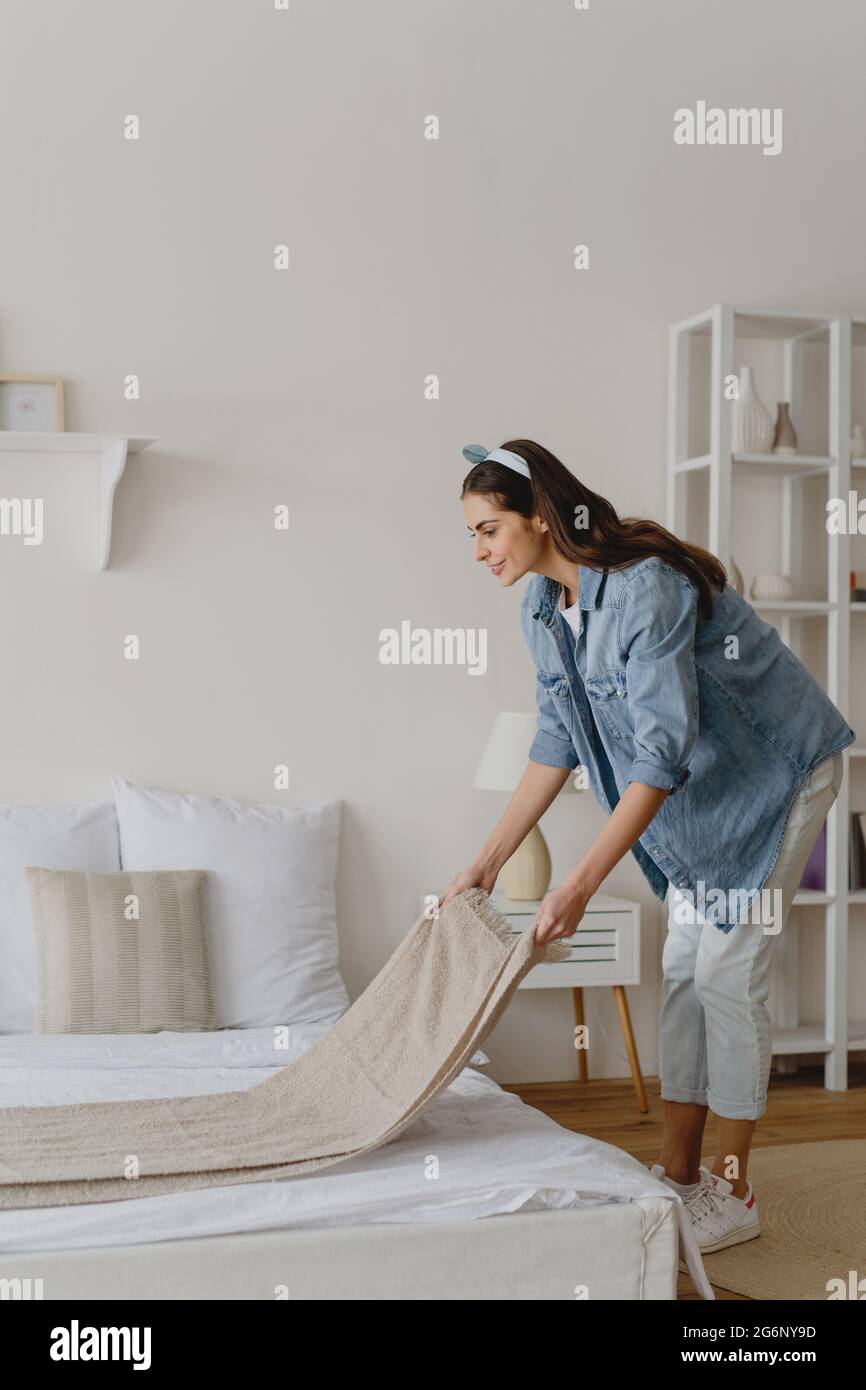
pixel 606 541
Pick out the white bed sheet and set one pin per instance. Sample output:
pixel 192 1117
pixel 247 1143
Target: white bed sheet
pixel 495 1154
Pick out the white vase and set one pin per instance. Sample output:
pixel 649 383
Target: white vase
pixel 753 428
pixel 772 586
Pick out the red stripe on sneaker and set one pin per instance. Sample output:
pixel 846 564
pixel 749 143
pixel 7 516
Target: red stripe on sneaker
pixel 751 1200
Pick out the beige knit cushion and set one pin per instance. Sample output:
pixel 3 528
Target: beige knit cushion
pixel 121 952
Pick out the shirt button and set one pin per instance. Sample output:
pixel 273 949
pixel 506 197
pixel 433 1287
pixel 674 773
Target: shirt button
pixel 684 883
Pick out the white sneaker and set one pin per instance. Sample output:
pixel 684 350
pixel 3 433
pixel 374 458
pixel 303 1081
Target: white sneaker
pixel 684 1191
pixel 718 1217
pixel 683 1188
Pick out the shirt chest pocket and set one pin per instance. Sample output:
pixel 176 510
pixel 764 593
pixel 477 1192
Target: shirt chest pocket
pixel 555 685
pixel 556 688
pixel 608 693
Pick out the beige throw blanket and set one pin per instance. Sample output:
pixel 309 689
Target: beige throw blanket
pixel 402 1042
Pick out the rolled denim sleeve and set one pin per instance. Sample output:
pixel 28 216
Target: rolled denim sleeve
pixel 552 744
pixel 657 636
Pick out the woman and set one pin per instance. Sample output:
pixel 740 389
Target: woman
pixel 717 755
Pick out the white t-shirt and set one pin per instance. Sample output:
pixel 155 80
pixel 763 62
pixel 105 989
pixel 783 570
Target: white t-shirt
pixel 572 614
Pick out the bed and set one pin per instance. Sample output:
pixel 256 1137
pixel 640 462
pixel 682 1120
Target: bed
pixel 482 1197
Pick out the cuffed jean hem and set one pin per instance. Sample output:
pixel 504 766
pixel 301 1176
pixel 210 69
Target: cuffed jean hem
pixel 683 1097
pixel 736 1109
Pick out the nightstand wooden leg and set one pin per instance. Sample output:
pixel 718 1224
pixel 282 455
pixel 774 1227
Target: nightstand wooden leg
pixel 625 1025
pixel 582 1060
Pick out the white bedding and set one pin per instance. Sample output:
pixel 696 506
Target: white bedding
pixel 495 1154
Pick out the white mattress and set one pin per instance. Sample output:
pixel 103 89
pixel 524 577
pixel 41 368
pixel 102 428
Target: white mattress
pixel 495 1154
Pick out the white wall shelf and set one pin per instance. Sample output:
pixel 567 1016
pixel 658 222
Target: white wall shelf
pixel 111 452
pixel 807 1037
pixel 780 465
pixel 797 607
pixel 763 465
pixel 791 330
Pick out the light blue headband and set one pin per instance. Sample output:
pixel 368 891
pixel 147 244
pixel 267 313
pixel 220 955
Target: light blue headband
pixel 476 453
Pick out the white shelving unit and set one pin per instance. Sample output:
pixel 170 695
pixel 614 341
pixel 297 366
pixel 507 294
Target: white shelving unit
pixel 110 452
pixel 726 327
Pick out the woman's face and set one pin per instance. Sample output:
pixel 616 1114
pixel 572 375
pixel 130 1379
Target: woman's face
pixel 508 543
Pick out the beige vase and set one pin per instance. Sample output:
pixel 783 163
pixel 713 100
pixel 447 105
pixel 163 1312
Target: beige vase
pixel 785 437
pixel 526 875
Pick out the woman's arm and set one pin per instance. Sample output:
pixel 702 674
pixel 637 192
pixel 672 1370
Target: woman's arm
pixel 534 793
pixel 562 909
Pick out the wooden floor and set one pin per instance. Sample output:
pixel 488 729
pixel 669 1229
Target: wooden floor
pixel 799 1111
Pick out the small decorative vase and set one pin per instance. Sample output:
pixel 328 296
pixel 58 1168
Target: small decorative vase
pixel 785 437
pixel 735 578
pixel 526 875
pixel 857 445
pixel 771 586
pixel 753 428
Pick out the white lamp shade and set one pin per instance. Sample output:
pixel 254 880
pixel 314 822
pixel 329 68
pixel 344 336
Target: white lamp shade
pixel 504 759
pixel 506 754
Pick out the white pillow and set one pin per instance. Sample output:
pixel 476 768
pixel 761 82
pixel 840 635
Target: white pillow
pixel 57 837
pixel 271 909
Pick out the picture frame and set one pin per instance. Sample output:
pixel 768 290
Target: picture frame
pixel 31 401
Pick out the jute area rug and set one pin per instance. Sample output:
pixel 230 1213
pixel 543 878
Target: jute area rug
pixel 812 1203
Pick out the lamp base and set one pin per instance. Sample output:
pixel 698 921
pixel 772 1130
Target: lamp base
pixel 525 877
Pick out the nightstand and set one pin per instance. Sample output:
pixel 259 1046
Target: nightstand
pixel 605 950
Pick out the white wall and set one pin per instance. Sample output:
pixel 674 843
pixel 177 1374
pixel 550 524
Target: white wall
pixel 408 257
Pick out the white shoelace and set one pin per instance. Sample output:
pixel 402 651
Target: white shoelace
pixel 705 1200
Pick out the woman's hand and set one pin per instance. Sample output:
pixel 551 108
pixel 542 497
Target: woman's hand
pixel 560 913
pixel 473 877
pixel 561 910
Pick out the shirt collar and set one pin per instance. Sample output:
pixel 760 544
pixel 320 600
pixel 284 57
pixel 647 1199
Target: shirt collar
pixel 587 596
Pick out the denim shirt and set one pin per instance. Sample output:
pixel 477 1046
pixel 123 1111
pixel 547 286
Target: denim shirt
pixel 651 691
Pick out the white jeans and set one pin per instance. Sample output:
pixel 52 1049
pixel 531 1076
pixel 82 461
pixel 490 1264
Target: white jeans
pixel 715 1036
